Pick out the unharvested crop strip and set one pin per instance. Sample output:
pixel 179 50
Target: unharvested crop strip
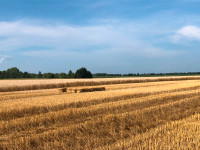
pixel 37 93
pixel 92 83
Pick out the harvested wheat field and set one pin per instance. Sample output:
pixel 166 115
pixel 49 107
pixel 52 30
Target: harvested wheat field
pixel 130 113
pixel 36 84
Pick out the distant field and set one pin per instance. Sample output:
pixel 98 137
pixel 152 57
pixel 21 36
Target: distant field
pixel 163 114
pixel 33 84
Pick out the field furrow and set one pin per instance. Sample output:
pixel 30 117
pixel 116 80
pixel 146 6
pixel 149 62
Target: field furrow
pixel 7 114
pixel 125 116
pixel 123 125
pixel 77 115
pixel 181 134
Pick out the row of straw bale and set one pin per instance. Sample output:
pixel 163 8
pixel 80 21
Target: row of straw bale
pixel 82 89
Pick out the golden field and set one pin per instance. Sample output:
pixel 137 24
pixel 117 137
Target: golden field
pixel 138 113
pixel 35 84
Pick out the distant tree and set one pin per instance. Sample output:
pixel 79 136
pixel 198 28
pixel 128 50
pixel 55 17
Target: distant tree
pixel 26 75
pixel 63 75
pixel 13 73
pixel 4 75
pixel 100 74
pixel 39 74
pixel 49 75
pixel 33 75
pixel 56 75
pixel 83 73
pixel 70 74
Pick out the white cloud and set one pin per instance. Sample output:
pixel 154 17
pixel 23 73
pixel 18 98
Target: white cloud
pixel 4 57
pixel 64 38
pixel 189 32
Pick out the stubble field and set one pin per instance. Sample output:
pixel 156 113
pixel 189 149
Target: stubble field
pixel 163 114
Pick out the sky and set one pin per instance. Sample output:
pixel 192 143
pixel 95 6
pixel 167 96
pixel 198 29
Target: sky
pixel 105 36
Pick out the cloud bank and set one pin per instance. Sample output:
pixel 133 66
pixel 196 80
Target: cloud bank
pixel 3 58
pixel 188 32
pixel 63 39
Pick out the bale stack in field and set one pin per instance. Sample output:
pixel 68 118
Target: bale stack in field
pixel 85 89
pixel 62 90
pixel 72 90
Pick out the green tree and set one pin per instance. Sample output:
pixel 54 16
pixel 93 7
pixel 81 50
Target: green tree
pixel 83 73
pixel 39 74
pixel 49 75
pixel 13 73
pixel 33 75
pixel 56 75
pixel 26 75
pixel 63 75
pixel 70 74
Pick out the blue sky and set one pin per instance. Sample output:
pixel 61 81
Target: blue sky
pixel 115 36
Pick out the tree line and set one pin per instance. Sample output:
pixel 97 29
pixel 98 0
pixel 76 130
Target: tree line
pixel 15 73
pixel 104 75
